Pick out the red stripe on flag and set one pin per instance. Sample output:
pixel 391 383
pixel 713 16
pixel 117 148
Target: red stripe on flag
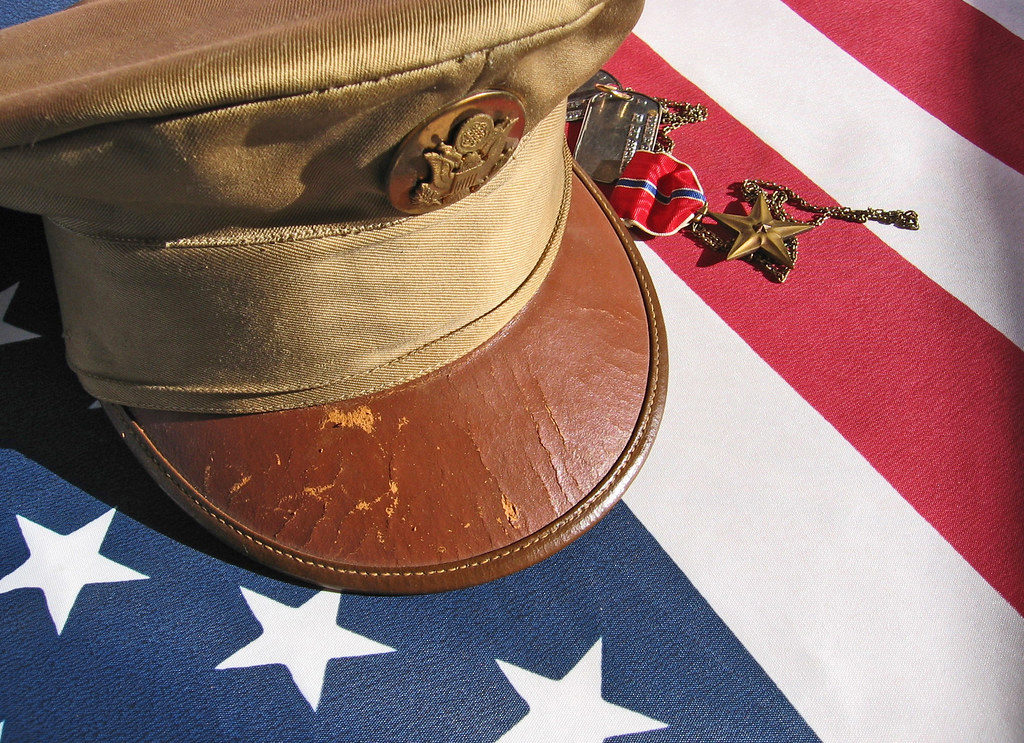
pixel 948 57
pixel 931 395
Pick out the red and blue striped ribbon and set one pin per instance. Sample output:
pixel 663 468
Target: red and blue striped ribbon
pixel 657 193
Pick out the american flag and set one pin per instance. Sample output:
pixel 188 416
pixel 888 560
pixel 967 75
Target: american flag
pixel 827 542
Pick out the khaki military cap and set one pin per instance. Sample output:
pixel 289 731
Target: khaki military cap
pixel 333 275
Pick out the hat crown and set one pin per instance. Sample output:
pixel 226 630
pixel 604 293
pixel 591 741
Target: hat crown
pixel 167 119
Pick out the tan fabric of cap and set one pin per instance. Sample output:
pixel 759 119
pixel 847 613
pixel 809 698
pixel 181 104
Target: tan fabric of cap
pixel 302 317
pixel 217 220
pixel 354 396
pixel 165 119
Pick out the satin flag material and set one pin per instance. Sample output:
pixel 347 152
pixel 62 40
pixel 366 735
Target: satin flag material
pixel 826 544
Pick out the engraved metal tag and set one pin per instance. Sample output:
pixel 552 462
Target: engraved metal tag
pixel 615 125
pixel 579 99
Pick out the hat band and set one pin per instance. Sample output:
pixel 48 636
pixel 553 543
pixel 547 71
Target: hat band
pixel 281 318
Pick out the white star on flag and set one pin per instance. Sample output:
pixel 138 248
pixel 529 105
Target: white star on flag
pixel 62 565
pixel 571 709
pixel 9 333
pixel 303 639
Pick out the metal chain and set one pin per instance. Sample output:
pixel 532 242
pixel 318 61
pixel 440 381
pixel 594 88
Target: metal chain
pixel 752 188
pixel 674 114
pixel 716 242
pixel 777 196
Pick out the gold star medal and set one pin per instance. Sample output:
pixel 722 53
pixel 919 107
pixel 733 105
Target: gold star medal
pixel 761 231
pixel 624 141
pixel 767 238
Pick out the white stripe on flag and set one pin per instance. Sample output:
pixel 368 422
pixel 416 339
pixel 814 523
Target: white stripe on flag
pixel 859 139
pixel 1008 13
pixel 869 622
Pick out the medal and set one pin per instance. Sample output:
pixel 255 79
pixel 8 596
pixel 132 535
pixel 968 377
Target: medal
pixel 761 231
pixel 767 237
pixel 623 143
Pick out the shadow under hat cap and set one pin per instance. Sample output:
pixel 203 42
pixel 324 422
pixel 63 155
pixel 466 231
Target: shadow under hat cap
pixel 334 276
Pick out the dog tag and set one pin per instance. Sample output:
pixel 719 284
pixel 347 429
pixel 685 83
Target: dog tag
pixel 578 100
pixel 616 124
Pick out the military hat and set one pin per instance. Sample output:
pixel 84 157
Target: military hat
pixel 334 276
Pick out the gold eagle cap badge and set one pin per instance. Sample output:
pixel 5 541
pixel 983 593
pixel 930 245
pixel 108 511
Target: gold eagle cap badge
pixel 456 152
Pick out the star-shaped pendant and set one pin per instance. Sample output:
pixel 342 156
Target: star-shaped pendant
pixel 761 231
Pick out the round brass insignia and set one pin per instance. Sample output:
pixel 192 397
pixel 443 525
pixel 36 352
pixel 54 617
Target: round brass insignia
pixel 456 152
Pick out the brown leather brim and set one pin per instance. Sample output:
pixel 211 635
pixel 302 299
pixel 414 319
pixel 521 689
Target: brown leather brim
pixel 472 472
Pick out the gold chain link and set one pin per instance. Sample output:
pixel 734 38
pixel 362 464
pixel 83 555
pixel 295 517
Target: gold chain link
pixel 752 188
pixel 674 114
pixel 777 196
